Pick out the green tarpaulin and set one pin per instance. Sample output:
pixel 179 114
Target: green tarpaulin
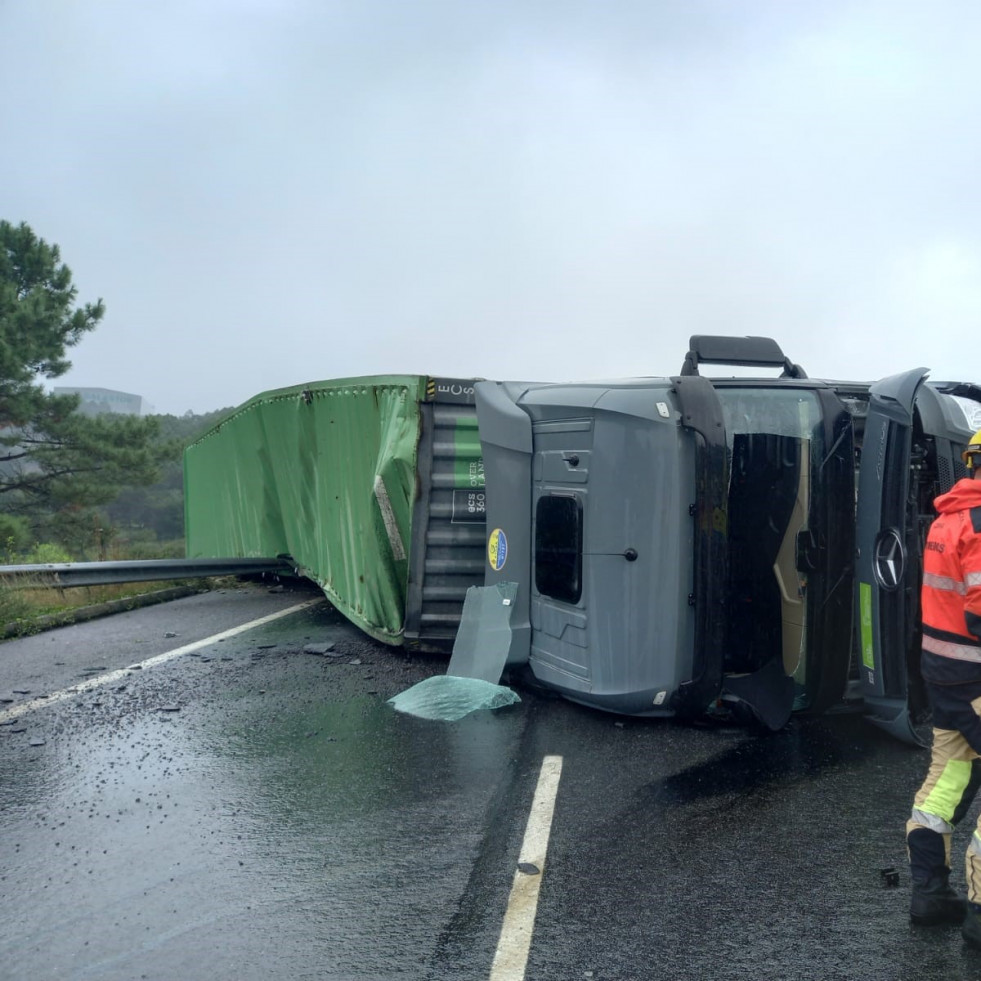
pixel 325 473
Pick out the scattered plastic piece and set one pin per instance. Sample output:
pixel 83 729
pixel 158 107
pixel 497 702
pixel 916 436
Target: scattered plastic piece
pixel 483 640
pixel 447 698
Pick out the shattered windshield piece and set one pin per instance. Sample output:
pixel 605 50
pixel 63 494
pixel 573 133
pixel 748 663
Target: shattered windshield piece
pixel 479 655
pixel 444 698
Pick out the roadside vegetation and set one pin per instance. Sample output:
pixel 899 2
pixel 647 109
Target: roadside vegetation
pixel 74 486
pixel 27 605
pixel 26 610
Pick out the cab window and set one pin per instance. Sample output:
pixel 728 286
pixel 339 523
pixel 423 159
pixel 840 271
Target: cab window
pixel 558 547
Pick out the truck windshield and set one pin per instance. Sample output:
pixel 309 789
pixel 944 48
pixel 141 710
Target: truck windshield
pixel 775 441
pixel 780 411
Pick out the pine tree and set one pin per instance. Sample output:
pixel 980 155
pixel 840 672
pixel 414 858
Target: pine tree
pixel 55 463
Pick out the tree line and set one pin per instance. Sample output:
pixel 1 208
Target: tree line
pixel 87 485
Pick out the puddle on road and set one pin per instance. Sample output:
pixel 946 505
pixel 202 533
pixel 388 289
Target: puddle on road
pixel 316 839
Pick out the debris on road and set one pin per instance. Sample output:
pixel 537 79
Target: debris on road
pixel 318 648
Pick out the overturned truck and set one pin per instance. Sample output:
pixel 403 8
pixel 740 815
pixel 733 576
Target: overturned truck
pixel 672 546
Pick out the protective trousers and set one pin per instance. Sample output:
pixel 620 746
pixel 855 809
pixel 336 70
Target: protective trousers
pixel 941 802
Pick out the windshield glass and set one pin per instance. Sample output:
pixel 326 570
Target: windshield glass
pixel 776 449
pixel 781 411
pixel 966 408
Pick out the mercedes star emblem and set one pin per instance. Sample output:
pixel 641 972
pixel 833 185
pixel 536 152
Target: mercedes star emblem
pixel 889 560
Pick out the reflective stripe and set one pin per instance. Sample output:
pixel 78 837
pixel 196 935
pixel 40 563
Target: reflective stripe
pixel 959 652
pixel 931 821
pixel 973 579
pixel 947 793
pixel 946 584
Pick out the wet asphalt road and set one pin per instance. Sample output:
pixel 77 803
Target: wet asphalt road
pixel 250 809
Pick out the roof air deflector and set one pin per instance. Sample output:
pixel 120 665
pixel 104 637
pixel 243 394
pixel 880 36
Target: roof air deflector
pixel 762 352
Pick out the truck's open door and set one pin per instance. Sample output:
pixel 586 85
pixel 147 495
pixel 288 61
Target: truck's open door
pixel 887 564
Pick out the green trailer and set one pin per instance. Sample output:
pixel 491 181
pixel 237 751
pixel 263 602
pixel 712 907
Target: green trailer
pixel 372 486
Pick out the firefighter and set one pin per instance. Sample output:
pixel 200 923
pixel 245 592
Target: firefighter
pixel 951 667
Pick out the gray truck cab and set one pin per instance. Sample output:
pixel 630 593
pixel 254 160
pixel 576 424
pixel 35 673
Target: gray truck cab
pixel 689 544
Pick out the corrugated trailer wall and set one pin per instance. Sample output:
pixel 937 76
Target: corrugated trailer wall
pixel 449 518
pixel 330 474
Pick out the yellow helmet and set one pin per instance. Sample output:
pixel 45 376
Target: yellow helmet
pixel 972 450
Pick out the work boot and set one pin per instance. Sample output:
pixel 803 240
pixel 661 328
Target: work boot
pixel 971 927
pixel 936 902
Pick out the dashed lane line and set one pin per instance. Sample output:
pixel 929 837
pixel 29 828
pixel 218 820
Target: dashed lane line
pixel 16 711
pixel 511 956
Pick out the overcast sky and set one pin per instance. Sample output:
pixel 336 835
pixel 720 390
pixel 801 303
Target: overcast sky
pixel 270 192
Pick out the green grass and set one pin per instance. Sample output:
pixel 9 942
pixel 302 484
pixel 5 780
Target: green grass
pixel 23 603
pixel 39 600
pixel 23 608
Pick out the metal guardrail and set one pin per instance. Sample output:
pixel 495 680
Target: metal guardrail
pixel 144 570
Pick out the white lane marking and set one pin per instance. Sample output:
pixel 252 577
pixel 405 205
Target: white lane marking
pixel 15 711
pixel 511 957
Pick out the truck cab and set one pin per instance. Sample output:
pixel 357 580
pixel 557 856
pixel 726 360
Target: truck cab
pixel 692 545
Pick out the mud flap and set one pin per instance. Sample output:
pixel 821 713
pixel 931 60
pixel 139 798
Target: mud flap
pixel 898 721
pixel 768 693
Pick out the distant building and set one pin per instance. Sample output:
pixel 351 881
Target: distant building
pixel 97 401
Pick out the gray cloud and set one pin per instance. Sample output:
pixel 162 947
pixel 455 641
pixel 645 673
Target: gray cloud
pixel 267 193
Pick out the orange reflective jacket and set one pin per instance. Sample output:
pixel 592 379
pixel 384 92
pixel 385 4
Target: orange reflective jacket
pixel 951 596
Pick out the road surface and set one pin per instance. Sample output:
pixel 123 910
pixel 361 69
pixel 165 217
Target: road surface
pixel 246 805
